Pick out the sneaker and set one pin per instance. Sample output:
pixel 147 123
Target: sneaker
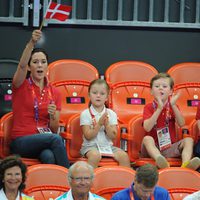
pixel 194 163
pixel 161 162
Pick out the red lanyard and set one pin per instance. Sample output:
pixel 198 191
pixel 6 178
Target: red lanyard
pixel 36 107
pixel 132 196
pixel 94 122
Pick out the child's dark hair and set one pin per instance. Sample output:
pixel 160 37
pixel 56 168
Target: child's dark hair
pixel 12 161
pixel 162 75
pixel 37 50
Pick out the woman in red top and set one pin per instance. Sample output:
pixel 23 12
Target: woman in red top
pixel 36 109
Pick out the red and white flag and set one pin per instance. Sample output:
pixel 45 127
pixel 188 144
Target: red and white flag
pixel 58 11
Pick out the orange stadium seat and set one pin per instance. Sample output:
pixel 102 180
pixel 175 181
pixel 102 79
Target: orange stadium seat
pixel 187 83
pixel 188 100
pixel 180 193
pixel 130 88
pixel 187 72
pixel 72 79
pixel 73 138
pixel 125 71
pixel 5 134
pixel 179 181
pixel 134 138
pixel 46 181
pixel 68 69
pixel 111 179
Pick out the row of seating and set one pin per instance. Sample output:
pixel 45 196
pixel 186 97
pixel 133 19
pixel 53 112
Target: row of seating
pixel 129 141
pixel 45 181
pixel 129 82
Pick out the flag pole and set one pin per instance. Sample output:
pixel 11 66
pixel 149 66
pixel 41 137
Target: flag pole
pixel 41 25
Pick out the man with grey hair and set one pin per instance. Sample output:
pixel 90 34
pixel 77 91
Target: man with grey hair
pixel 80 178
pixel 144 186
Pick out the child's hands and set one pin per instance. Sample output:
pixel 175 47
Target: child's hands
pixel 103 119
pixel 159 101
pixel 174 98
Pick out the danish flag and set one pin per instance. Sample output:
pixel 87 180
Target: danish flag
pixel 58 11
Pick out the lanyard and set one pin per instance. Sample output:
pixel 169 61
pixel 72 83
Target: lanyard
pixel 167 113
pixel 132 196
pixel 36 104
pixel 94 122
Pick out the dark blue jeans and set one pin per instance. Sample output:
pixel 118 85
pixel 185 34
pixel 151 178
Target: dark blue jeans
pixel 48 148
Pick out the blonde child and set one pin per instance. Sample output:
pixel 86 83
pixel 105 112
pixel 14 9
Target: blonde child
pixel 161 115
pixel 99 126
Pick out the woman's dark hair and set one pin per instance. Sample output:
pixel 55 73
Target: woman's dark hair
pixel 12 161
pixel 37 50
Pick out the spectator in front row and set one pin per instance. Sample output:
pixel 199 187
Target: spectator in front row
pixel 159 119
pixel 144 186
pixel 80 178
pixel 12 179
pixel 99 125
pixel 36 108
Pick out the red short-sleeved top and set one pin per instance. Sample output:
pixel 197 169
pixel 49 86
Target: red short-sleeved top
pixel 148 111
pixel 24 122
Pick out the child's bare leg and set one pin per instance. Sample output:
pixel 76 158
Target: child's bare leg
pixel 94 157
pixel 123 158
pixel 187 152
pixel 153 152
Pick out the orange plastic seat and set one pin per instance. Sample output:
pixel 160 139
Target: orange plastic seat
pixel 68 69
pixel 130 88
pixel 134 139
pixel 188 100
pixel 72 79
pixel 187 72
pixel 110 179
pixel 74 97
pixel 46 181
pixel 177 177
pixel 5 138
pixel 73 138
pixel 180 193
pixel 125 71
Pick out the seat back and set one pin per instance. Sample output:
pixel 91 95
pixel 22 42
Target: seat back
pixel 185 72
pixel 72 79
pixel 136 134
pixel 188 100
pixel 74 97
pixel 125 71
pixel 5 134
pixel 110 179
pixel 46 181
pixel 5 138
pixel 128 99
pixel 177 177
pixel 180 193
pixel 69 69
pixel 8 68
pixel 130 88
pixel 74 140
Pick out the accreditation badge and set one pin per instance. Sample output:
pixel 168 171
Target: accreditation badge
pixel 164 139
